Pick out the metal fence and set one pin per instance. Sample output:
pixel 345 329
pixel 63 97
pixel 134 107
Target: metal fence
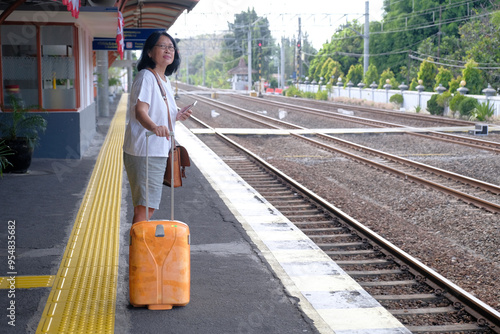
pixel 411 99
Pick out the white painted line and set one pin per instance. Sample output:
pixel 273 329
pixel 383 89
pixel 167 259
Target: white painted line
pixel 332 299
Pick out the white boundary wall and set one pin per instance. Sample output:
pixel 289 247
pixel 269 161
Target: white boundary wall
pixel 411 98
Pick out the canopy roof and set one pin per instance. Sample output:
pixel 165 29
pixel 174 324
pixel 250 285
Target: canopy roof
pixel 136 13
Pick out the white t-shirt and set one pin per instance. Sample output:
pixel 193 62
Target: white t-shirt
pixel 145 88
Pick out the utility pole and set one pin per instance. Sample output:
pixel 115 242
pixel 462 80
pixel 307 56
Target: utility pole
pixel 409 68
pixel 249 50
pixel 366 38
pixel 249 58
pixel 260 69
pixel 299 56
pixel 439 32
pixel 282 63
pixel 187 68
pixel 204 61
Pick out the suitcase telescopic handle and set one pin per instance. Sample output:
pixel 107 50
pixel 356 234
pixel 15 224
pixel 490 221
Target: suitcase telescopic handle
pixel 172 141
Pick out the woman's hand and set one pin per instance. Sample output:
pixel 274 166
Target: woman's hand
pixel 183 114
pixel 161 131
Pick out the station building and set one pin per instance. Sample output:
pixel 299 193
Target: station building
pixel 50 61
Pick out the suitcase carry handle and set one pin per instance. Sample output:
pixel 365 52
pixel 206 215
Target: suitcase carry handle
pixel 148 134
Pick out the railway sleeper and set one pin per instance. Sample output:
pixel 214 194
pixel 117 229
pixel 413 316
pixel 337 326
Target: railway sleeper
pixel 271 183
pixel 423 310
pixel 325 229
pixel 361 273
pixel 300 217
pixel 255 172
pixel 341 245
pixel 315 224
pixel 377 262
pixel 339 235
pixel 413 297
pixel 302 214
pixel 281 197
pixel 364 252
pixel 298 206
pixel 459 328
pixel 388 283
pixel 246 170
pixel 272 187
pixel 272 192
pixel 252 178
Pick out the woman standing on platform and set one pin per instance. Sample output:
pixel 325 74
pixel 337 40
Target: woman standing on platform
pixel 149 112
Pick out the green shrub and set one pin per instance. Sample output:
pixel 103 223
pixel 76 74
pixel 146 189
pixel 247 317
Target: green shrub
pixel 293 91
pixel 322 95
pixel 309 95
pixel 455 101
pixel 418 109
pixel 433 107
pixel 396 99
pixel 467 105
pixel 483 111
pixel 444 99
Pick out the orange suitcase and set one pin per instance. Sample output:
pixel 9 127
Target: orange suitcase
pixel 159 264
pixel 159 261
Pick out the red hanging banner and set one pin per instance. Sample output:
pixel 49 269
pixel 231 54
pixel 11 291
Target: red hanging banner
pixel 73 7
pixel 119 35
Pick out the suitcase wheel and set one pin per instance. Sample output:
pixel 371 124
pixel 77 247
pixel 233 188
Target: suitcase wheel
pixel 159 307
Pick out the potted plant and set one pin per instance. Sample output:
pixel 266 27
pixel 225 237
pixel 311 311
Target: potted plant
pixel 4 152
pixel 20 130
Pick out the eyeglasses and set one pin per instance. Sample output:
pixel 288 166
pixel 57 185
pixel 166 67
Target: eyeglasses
pixel 170 48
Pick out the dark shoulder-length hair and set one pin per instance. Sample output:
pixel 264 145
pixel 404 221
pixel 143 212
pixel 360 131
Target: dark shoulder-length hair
pixel 145 61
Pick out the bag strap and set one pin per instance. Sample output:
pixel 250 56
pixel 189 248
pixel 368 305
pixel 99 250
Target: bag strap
pixel 172 146
pixel 164 96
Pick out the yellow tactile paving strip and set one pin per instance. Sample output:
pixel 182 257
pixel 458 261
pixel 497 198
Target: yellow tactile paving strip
pixel 83 297
pixel 27 282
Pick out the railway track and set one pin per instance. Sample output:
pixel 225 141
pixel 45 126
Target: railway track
pixel 471 191
pixel 471 142
pixel 382 112
pixel 420 298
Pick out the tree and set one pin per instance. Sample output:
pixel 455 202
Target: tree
pixel 455 84
pixel 473 77
pixel 444 77
pixel 236 42
pixel 427 74
pixel 387 75
pixel 481 41
pixel 355 74
pixel 371 75
pixel 343 44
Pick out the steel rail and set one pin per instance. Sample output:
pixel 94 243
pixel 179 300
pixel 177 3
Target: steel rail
pixel 420 117
pixel 484 313
pixel 493 207
pixel 471 142
pixel 454 139
pixel 481 203
pixel 437 171
pixel 231 108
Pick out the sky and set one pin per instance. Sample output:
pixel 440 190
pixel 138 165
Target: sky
pixel 319 18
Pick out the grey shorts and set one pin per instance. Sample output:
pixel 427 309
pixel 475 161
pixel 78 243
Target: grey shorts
pixel 136 171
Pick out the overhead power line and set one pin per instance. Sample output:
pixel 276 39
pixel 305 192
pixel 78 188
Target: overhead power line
pixel 430 25
pixel 452 60
pixel 451 65
pixel 423 12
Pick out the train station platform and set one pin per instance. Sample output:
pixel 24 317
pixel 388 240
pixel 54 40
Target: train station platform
pixel 252 271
